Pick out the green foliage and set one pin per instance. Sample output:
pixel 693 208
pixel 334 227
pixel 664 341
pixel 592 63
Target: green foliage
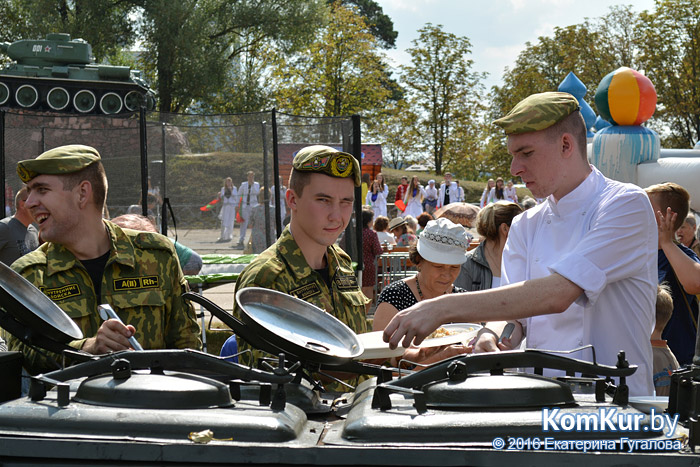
pixel 104 24
pixel 192 45
pixel 671 57
pixel 442 90
pixel 380 25
pixel 340 73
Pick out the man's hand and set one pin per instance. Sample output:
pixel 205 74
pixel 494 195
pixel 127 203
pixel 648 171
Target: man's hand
pixel 111 337
pixel 416 322
pixel 664 224
pixel 430 355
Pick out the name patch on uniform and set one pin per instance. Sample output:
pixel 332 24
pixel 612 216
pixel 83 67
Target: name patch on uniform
pixel 306 291
pixel 346 282
pixel 132 283
pixel 61 293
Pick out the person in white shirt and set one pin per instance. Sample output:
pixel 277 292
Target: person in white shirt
pixel 460 193
pixel 497 193
pixel 448 191
pixel 381 224
pixel 376 196
pixel 431 197
pixel 510 193
pixel 413 197
pixel 283 196
pixel 578 269
pixel 248 193
pixel 487 191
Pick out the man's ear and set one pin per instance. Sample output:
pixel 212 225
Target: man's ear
pixel 84 191
pixel 567 145
pixel 292 197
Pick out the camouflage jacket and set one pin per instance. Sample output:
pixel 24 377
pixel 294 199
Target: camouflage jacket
pixel 142 281
pixel 283 267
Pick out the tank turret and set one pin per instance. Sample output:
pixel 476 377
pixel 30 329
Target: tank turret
pixel 60 74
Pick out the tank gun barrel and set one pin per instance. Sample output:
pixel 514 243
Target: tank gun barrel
pixel 4 46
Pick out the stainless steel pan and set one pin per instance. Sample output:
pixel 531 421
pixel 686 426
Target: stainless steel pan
pixel 298 327
pixel 28 305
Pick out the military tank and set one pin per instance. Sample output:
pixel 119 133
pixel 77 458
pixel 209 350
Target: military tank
pixel 59 74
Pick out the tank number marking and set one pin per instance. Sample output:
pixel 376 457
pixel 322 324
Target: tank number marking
pixel 38 48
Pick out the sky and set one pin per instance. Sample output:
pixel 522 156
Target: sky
pixel 497 29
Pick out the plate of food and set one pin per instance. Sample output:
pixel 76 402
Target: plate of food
pixel 646 403
pixel 447 334
pixel 453 333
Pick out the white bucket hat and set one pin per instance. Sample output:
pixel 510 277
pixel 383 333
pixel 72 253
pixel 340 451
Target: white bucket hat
pixel 443 242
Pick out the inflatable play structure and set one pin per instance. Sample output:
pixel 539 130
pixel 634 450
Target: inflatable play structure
pixel 620 147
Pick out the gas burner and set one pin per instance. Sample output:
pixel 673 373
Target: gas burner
pixel 480 381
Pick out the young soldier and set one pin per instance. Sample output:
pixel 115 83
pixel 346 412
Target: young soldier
pixel 304 261
pixel 87 261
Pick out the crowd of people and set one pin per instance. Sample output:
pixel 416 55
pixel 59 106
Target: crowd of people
pixel 586 261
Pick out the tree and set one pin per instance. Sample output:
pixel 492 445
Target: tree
pixel 340 73
pixel 393 126
pixel 380 24
pixel 439 83
pixel 194 46
pixel 104 24
pixel 671 57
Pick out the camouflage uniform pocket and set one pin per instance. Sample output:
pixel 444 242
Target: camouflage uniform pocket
pixel 146 311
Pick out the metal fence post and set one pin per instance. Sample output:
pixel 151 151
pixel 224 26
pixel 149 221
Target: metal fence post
pixel 357 152
pixel 144 161
pixel 266 189
pixel 2 158
pixel 276 171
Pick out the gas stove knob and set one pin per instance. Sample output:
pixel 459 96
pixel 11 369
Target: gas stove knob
pixel 457 371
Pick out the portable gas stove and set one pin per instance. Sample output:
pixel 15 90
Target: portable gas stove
pixel 187 407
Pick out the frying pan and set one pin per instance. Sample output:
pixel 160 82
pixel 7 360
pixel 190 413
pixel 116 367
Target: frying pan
pixel 234 323
pixel 298 327
pixel 30 307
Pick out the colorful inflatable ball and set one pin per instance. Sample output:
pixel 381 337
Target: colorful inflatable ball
pixel 625 97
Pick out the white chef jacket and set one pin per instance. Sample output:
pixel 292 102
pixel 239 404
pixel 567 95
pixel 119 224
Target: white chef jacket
pixel 603 237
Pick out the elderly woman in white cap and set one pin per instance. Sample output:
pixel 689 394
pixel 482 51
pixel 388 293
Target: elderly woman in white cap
pixel 438 256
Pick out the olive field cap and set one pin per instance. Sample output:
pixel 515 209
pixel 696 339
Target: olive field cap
pixel 538 112
pixel 443 242
pixel 58 161
pixel 396 222
pixel 329 161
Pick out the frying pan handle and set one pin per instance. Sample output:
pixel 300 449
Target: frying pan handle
pixel 228 319
pixel 232 322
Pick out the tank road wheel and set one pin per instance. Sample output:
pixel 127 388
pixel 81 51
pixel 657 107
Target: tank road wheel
pixel 133 100
pixel 84 101
pixel 58 98
pixel 4 93
pixel 26 95
pixel 111 103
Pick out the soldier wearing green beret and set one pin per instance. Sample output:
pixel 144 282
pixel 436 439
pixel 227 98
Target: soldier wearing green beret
pixel 578 269
pixel 304 261
pixel 87 261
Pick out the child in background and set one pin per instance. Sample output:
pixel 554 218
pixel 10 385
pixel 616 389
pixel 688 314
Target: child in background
pixel 664 360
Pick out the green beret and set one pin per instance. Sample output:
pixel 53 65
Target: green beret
pixel 329 161
pixel 538 112
pixel 58 161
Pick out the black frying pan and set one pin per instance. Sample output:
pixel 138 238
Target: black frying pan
pixel 30 307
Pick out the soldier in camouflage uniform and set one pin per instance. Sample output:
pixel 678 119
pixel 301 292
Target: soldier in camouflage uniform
pixel 304 262
pixel 137 273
